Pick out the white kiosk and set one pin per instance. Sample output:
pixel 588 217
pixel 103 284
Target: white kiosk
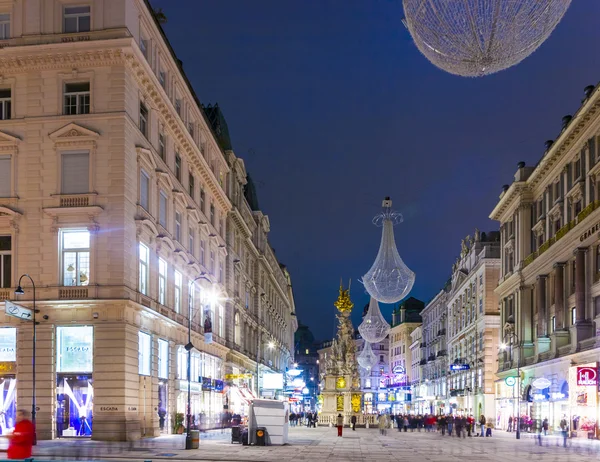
pixel 273 416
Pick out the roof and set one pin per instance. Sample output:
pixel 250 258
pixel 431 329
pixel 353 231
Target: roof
pixel 219 125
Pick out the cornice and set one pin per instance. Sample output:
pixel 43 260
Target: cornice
pixel 508 198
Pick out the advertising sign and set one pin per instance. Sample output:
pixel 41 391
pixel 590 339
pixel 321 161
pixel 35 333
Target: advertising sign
pixel 541 383
pixel 8 344
pixel 75 348
pixel 587 376
pixel 207 324
pixel 206 383
pixel 272 381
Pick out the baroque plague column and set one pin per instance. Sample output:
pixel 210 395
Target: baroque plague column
pixel 341 392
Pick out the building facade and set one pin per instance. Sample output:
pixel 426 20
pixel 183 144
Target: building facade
pixel 119 201
pixel 430 395
pixel 416 355
pixel 473 326
pixel 549 288
pixel 405 319
pixel 307 361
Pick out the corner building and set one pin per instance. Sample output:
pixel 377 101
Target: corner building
pixel 115 194
pixel 549 288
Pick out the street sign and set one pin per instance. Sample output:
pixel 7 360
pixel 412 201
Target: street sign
pixel 18 311
pixel 510 381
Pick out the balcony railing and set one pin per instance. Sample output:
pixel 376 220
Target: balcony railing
pixel 422 362
pixel 431 357
pixel 562 232
pixel 441 353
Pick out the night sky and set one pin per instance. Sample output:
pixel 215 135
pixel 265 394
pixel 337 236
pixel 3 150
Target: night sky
pixel 332 108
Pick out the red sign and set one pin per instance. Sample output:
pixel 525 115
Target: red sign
pixel 587 376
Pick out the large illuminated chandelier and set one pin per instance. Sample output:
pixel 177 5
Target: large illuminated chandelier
pixel 367 359
pixel 473 38
pixel 389 280
pixel 374 327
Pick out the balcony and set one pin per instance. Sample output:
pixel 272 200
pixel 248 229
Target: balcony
pixel 441 353
pixel 423 345
pixel 422 362
pixel 431 357
pixel 441 332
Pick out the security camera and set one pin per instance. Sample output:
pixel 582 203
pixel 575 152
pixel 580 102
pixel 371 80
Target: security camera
pixel 46 317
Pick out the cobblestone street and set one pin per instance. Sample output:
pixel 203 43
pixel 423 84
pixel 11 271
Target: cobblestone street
pixel 322 444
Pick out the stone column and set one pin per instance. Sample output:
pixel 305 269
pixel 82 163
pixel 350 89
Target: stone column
pixel 559 295
pixel 580 284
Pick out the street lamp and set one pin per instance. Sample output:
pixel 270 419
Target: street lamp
pixel 20 291
pixel 503 346
pixel 189 347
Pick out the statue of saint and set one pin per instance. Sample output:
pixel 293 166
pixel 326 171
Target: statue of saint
pixel 477 235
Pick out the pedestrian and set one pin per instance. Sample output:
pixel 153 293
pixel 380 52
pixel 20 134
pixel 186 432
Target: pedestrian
pixel 564 428
pixel 470 422
pixel 381 423
pixel 450 424
pixel 340 424
pixel 21 439
pixel 353 422
pixel 443 424
pixel 399 422
pixel 538 437
pixel 405 423
pixel 482 425
pixel 545 426
pixel 510 423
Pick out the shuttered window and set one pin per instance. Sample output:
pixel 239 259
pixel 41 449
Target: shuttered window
pixel 144 186
pixel 162 210
pixel 75 173
pixel 5 175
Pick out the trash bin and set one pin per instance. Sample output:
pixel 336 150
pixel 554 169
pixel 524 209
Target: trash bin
pixel 261 436
pixel 195 438
pixel 236 434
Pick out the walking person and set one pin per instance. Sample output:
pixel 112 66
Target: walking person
pixel 21 439
pixel 443 424
pixel 450 424
pixel 340 424
pixel 353 422
pixel 510 423
pixel 405 424
pixel 545 426
pixel 482 424
pixel 564 428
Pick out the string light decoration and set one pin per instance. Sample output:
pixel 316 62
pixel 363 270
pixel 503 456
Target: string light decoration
pixel 374 327
pixel 473 38
pixel 367 359
pixel 389 280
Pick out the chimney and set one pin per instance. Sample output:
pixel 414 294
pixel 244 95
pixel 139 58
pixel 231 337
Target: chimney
pixel 394 318
pixel 587 91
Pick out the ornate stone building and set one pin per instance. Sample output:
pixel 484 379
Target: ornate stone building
pixel 549 286
pixel 116 193
pixel 473 326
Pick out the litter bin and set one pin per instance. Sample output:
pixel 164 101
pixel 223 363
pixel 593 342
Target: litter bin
pixel 261 436
pixel 236 434
pixel 195 438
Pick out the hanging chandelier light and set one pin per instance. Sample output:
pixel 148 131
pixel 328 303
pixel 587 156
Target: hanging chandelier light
pixel 367 359
pixel 473 38
pixel 374 327
pixel 389 280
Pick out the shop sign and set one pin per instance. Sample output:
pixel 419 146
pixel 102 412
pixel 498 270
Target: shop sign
pixel 558 396
pixel 194 386
pixel 587 376
pixel 107 409
pixel 237 376
pixel 459 367
pixel 541 383
pixel 206 383
pixel 218 386
pixel 589 232
pixel 398 370
pixel 7 367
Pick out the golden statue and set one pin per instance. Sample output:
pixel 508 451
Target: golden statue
pixel 343 303
pixel 355 400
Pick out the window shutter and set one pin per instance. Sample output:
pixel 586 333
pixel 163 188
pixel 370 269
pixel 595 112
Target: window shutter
pixel 5 175
pixel 144 183
pixel 75 173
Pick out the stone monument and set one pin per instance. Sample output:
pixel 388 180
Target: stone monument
pixel 341 393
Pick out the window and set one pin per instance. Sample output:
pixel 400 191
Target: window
pixel 553 324
pixel 192 185
pixel 5 176
pixel 144 353
pixel 75 173
pixel 178 226
pixel 162 281
pixel 221 272
pixel 202 200
pixel 247 299
pixel 162 146
pixel 191 296
pixel 162 209
pixel 238 330
pixel 144 190
pixel 74 349
pixel 380 358
pixel 4 26
pixel 76 19
pixel 597 247
pixel 77 98
pixel 202 252
pixel 191 129
pixel 178 167
pixel 178 106
pixel 162 78
pixel 212 214
pixel 221 326
pixel 481 305
pixel 191 241
pixel 144 119
pixel 577 172
pixel 144 261
pixel 144 47
pixel 5 262
pixel 212 263
pixel 163 359
pixel 75 249
pixel 573 316
pixel 177 288
pixel 5 103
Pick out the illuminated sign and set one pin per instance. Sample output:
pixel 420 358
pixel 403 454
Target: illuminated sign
pixel 398 370
pixel 541 383
pixel 459 367
pixel 237 376
pixel 587 376
pixel 510 381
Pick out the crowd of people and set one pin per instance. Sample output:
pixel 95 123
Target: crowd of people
pixel 460 426
pixel 309 419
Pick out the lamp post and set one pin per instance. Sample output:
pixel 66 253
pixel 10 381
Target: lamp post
pixel 515 339
pixel 20 291
pixel 189 347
